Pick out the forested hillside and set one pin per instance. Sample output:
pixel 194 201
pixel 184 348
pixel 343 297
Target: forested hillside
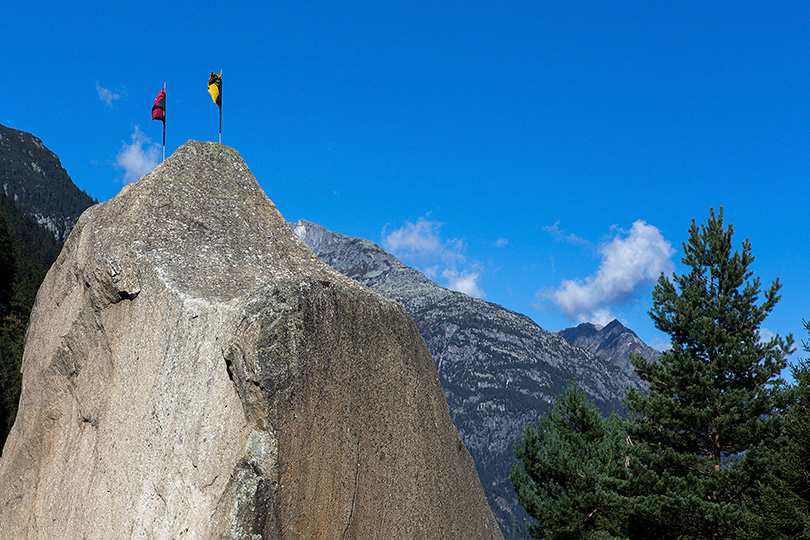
pixel 26 252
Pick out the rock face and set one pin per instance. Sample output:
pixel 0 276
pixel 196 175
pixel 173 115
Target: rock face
pixel 500 370
pixel 192 370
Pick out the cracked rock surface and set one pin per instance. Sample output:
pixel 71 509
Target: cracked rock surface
pixel 192 370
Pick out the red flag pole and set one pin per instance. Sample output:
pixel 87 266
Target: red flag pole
pixel 164 121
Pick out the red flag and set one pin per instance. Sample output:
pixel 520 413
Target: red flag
pixel 159 108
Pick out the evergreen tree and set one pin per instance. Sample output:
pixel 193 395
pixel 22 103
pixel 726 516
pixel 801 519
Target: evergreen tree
pixel 567 469
pixel 10 332
pixel 706 429
pixel 12 340
pixel 782 504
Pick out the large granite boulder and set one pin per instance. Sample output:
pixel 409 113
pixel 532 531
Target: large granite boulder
pixel 192 370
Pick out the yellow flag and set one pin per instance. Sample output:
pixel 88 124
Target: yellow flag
pixel 215 88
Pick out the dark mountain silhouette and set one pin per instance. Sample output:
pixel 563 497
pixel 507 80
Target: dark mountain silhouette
pixel 34 179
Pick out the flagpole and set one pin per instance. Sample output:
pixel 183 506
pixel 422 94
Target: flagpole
pixel 220 106
pixel 165 100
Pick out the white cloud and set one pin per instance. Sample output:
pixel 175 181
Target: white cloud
pixel 139 157
pixel 562 236
pixel 421 245
pixel 765 335
pixel 107 96
pixel 628 265
pixel 602 317
pixel 431 272
pixel 465 282
pixel 501 242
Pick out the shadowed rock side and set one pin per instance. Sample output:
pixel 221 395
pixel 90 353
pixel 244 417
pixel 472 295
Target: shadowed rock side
pixel 192 370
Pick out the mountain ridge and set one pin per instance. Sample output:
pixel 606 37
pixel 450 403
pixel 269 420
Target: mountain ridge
pixel 33 177
pixel 613 342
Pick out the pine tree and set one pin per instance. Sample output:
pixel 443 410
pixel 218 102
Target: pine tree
pixel 21 273
pixel 707 428
pixel 568 465
pixel 782 503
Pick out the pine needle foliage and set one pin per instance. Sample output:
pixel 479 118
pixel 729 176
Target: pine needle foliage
pixel 21 272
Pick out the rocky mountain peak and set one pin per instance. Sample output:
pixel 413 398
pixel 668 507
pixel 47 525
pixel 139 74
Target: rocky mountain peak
pixel 192 370
pixel 204 222
pixel 356 258
pixel 613 342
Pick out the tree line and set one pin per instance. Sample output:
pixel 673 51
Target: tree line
pixel 717 448
pixel 27 250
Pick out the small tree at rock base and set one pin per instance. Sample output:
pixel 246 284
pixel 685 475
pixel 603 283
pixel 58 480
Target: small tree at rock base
pixel 568 465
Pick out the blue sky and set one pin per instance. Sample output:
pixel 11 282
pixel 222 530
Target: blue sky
pixel 546 156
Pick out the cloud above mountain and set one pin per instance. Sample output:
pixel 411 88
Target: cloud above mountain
pixel 631 261
pixel 464 281
pixel 139 157
pixel 421 245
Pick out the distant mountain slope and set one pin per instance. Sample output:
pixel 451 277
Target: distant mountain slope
pixel 614 343
pixel 32 176
pixel 498 368
pixel 37 241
